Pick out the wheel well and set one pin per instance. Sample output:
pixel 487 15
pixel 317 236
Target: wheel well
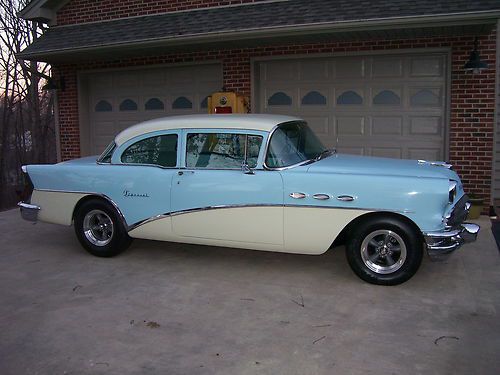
pixel 86 199
pixel 344 234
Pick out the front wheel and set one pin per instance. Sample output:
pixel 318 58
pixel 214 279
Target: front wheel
pixel 100 229
pixel 384 251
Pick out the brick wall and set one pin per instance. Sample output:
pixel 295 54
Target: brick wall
pixel 472 95
pixel 82 11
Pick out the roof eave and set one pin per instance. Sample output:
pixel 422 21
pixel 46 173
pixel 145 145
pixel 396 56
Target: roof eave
pixel 41 10
pixel 458 19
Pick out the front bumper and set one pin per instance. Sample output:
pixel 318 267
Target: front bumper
pixel 29 211
pixel 442 243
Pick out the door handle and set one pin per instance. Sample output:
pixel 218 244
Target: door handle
pixel 345 198
pixel 180 173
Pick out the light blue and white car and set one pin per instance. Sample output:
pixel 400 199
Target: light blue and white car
pixel 259 182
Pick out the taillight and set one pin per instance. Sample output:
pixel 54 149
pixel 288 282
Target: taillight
pixel 25 194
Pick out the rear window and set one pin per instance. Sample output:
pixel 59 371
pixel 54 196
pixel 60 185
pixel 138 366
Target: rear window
pixel 160 150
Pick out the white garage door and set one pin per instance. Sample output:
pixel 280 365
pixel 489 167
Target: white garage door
pixel 122 98
pixel 388 105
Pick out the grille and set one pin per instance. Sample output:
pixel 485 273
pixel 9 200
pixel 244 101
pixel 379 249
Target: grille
pixel 459 212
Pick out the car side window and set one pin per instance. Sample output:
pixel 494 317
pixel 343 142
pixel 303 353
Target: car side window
pixel 222 150
pixel 160 150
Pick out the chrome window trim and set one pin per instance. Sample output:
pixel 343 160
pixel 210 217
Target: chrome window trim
pixel 146 165
pixel 268 141
pixel 151 165
pixel 225 169
pixel 109 149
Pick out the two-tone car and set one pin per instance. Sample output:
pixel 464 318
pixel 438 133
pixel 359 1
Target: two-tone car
pixel 261 182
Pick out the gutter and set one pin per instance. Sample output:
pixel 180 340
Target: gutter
pixel 407 22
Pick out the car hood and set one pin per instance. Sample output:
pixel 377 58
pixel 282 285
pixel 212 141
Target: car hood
pixel 367 165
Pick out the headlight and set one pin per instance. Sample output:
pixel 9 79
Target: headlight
pixel 452 190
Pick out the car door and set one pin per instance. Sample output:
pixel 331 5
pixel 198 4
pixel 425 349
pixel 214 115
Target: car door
pixel 142 175
pixel 212 197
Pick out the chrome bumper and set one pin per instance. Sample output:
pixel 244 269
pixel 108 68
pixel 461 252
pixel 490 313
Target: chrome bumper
pixel 447 241
pixel 29 211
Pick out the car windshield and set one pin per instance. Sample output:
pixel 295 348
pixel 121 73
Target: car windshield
pixel 293 143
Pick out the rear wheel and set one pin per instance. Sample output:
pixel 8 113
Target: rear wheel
pixel 100 229
pixel 384 251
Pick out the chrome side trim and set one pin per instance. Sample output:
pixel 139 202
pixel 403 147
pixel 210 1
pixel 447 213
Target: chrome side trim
pixel 321 197
pixel 149 220
pixel 190 210
pixel 345 198
pixel 219 207
pixel 297 195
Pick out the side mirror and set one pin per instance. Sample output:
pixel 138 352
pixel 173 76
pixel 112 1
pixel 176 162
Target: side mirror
pixel 246 169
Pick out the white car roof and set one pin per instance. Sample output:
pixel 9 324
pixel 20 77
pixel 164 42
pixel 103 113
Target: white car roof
pixel 229 121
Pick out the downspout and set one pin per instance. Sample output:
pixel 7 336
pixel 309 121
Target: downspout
pixel 56 126
pixel 495 176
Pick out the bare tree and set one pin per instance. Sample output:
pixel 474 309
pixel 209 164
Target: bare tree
pixel 26 111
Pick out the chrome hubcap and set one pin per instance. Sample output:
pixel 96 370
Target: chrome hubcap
pixel 98 227
pixel 383 251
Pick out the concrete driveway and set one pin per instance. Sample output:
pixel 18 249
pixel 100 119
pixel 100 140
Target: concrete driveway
pixel 165 308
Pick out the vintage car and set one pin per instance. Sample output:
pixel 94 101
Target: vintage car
pixel 262 182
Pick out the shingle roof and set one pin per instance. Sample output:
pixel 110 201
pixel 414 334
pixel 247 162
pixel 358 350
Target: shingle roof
pixel 264 18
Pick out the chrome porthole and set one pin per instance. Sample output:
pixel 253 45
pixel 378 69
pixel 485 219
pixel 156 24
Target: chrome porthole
pixel 383 251
pixel 98 227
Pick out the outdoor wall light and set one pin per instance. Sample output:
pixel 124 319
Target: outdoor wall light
pixel 475 64
pixel 53 85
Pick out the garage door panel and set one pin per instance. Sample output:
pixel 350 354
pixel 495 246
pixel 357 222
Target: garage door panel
pixel 350 125
pixel 387 152
pixel 280 70
pixel 387 125
pixel 425 154
pixel 347 67
pixel 125 80
pixel 314 70
pixel 428 66
pixel 387 67
pixel 280 98
pixel 426 126
pixel 315 97
pixel 426 97
pixel 319 124
pixel 349 98
pixel 345 149
pixel 384 105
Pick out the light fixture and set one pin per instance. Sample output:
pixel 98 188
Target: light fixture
pixel 52 84
pixel 475 64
